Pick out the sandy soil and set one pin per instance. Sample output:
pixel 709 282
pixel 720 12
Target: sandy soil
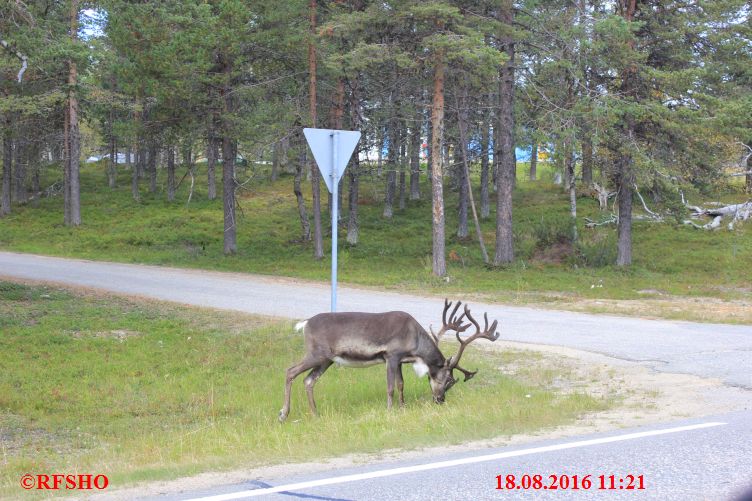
pixel 693 309
pixel 643 395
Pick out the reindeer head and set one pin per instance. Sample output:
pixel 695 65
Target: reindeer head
pixel 442 378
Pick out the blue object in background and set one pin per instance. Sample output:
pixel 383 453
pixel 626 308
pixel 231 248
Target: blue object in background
pixel 523 154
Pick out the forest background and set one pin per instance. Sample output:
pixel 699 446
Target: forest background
pixel 633 118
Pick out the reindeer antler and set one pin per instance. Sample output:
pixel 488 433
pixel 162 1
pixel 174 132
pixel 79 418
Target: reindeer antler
pixel 487 333
pixel 454 323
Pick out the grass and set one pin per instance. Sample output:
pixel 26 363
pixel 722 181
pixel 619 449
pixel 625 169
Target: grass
pixel 670 261
pixel 141 391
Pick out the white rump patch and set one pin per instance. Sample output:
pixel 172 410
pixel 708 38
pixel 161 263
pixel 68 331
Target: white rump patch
pixel 300 325
pixel 420 368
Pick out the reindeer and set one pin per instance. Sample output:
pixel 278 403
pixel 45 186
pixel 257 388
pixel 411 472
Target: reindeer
pixel 394 338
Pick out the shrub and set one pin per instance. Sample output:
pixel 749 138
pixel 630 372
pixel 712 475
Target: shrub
pixel 553 229
pixel 598 252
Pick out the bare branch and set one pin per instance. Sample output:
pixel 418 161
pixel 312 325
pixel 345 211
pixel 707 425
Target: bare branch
pixel 24 60
pixel 655 216
pixel 612 219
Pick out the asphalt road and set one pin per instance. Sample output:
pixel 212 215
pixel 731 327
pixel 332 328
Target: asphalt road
pixel 710 462
pixel 707 350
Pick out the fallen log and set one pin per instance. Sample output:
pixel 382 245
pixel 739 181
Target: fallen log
pixel 737 212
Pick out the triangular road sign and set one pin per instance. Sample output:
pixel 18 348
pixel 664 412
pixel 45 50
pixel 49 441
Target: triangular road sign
pixel 322 143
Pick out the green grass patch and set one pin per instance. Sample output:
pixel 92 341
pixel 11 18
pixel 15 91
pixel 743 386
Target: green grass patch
pixel 392 253
pixel 142 391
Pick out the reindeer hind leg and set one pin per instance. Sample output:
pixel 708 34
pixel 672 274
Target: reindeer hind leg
pixel 310 381
pixel 292 373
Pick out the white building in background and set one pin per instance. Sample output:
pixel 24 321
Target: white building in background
pixel 121 158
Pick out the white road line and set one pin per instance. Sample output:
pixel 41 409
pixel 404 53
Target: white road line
pixel 450 463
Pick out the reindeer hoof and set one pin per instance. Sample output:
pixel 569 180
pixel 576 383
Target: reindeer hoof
pixel 282 416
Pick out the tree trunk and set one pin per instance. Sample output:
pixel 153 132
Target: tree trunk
pixel 447 161
pixel 211 162
pixel 586 133
pixel 5 207
pixel 73 130
pixel 562 163
pixel 134 177
pixel 19 172
pixel 112 164
pixel 299 166
pixel 338 113
pixel 152 166
pixel 352 202
pixel 625 174
pixel 188 158
pixel 392 157
pixel 534 161
pixel 415 157
pixel 402 165
pixel 170 173
pixel 379 150
pixel 141 157
pixel 228 195
pixel 354 173
pixel 402 189
pixel 485 206
pixel 228 163
pixel 496 158
pixel 459 174
pixel 624 183
pixel 275 160
pixel 36 183
pixel 437 187
pixel 748 177
pixel 318 237
pixel 505 147
pixel 462 124
pixel 570 165
pixel 66 166
pixel 391 181
pixel 587 158
pixel 135 148
pixel 284 162
pixel 429 153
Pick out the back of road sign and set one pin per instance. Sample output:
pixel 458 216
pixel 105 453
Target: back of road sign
pixel 322 143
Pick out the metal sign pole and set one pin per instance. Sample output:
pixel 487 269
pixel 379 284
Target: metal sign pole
pixel 320 141
pixel 335 211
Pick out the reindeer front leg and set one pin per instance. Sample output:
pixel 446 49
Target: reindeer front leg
pixel 392 366
pixel 400 385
